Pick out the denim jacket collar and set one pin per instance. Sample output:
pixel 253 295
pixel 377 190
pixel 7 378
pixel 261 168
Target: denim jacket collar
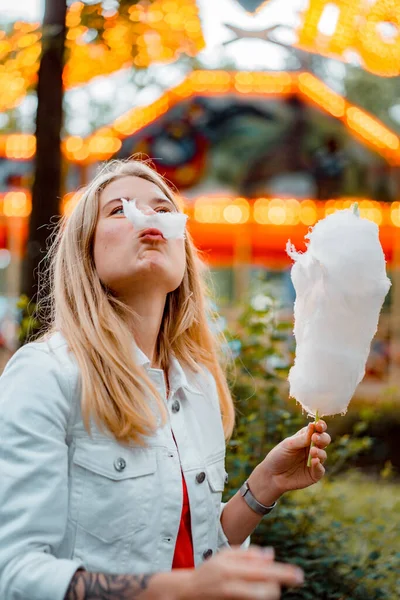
pixel 176 374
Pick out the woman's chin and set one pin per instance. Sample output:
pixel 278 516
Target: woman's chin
pixel 155 267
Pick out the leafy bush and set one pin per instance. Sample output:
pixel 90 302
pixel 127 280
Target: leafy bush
pixel 344 534
pixel 382 426
pixel 29 323
pixel 330 530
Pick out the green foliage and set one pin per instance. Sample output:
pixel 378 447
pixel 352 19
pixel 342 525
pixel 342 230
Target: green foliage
pixel 344 534
pixel 29 324
pixel 331 530
pixel 373 93
pixel 383 428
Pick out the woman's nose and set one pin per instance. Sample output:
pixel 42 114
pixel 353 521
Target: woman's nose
pixel 147 210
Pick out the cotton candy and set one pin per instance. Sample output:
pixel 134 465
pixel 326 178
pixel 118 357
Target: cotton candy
pixel 171 224
pixel 340 283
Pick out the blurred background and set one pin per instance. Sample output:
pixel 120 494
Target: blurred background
pixel 266 116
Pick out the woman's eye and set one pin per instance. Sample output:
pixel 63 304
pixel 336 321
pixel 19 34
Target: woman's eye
pixel 167 210
pixel 114 212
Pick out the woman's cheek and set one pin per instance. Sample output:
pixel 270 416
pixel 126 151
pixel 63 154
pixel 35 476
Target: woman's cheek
pixel 109 243
pixel 117 234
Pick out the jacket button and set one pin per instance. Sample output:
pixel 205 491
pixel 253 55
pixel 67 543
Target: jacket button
pixel 119 463
pixel 200 477
pixel 175 406
pixel 207 553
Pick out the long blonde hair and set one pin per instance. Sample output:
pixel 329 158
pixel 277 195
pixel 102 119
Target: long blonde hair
pixel 115 389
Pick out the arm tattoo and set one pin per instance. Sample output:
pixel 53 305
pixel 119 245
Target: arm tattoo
pixel 102 586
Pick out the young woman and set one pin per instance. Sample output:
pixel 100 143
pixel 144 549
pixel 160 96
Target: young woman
pixel 113 425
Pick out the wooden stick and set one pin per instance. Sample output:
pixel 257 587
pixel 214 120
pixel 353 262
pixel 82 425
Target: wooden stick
pixel 312 443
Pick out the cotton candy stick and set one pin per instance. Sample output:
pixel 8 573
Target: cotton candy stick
pixel 171 224
pixel 340 283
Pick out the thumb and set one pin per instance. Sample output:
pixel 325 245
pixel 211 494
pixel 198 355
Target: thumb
pixel 301 439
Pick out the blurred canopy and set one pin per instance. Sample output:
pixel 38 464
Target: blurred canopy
pixel 100 42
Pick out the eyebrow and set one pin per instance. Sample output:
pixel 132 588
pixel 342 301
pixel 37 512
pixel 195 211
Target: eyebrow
pixel 152 201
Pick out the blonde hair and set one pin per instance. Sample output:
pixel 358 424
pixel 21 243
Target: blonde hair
pixel 116 391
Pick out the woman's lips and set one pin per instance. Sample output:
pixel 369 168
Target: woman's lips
pixel 151 234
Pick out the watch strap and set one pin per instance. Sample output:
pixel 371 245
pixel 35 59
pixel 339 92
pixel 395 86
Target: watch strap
pixel 256 506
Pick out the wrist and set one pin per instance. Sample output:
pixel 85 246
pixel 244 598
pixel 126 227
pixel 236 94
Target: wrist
pixel 263 487
pixel 173 585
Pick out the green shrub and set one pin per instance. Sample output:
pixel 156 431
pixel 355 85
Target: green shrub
pixel 381 423
pixel 29 323
pixel 344 534
pixel 330 530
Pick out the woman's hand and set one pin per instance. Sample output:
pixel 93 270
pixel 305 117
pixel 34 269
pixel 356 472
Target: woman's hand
pixel 285 467
pixel 240 575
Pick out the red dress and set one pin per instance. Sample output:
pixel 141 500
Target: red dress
pixel 183 557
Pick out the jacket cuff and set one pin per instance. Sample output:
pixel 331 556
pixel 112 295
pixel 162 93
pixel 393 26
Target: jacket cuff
pixel 48 581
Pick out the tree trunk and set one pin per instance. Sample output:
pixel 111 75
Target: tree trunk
pixel 47 180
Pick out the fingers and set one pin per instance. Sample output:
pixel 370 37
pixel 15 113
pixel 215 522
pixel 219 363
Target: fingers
pixel 255 591
pixel 317 469
pixel 318 453
pixel 254 582
pixel 276 572
pixel 251 574
pixel 322 440
pixel 263 554
pixel 321 426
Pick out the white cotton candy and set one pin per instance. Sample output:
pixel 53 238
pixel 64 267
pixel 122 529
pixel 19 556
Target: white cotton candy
pixel 171 224
pixel 340 284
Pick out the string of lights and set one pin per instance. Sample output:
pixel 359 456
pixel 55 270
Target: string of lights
pixel 355 25
pixel 236 211
pixel 106 141
pixel 162 29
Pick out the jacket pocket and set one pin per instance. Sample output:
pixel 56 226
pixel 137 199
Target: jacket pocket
pixel 216 476
pixel 114 483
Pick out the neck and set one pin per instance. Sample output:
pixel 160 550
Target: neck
pixel 149 309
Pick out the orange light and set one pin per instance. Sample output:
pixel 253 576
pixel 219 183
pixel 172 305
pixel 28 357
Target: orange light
pixel 308 212
pixel 371 210
pixel 380 54
pixel 237 211
pixel 395 214
pixel 317 91
pixel 207 212
pixel 276 211
pixel 371 129
pixel 103 143
pixel 17 204
pixel 144 35
pixel 263 83
pixel 69 202
pixel 73 144
pixel 20 146
pixel 357 29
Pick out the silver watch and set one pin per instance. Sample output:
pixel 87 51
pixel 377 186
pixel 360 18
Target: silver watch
pixel 259 508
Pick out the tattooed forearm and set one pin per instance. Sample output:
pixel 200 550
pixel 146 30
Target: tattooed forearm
pixel 101 586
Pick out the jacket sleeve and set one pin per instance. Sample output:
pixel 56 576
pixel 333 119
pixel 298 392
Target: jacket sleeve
pixel 35 400
pixel 223 541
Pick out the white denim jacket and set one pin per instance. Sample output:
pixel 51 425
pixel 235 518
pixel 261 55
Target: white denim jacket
pixel 67 500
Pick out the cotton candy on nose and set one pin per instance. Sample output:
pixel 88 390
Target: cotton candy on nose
pixel 171 224
pixel 147 210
